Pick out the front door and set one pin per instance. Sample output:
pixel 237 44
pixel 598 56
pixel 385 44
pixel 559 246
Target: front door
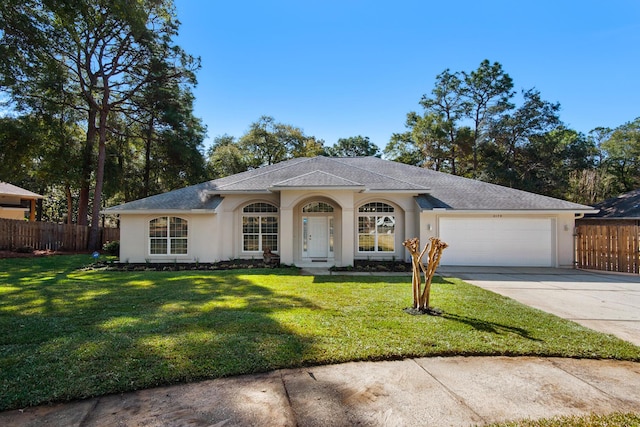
pixel 317 237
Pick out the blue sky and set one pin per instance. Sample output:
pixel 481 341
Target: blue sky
pixel 345 68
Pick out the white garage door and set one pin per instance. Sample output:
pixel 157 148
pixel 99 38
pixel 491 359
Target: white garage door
pixel 498 241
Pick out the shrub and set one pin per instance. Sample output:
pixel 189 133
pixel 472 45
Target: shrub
pixel 112 248
pixel 24 249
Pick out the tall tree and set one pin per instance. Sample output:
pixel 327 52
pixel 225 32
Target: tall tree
pixel 401 148
pixel 589 185
pixel 441 133
pixel 226 158
pixel 103 48
pixel 18 147
pixel 163 113
pixel 443 111
pixel 597 136
pixel 268 142
pixel 354 146
pixel 488 91
pixel 622 155
pixel 262 144
pixel 548 159
pixel 430 135
pixel 511 134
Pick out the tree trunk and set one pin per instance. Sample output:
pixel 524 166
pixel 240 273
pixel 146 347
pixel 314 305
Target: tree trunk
pixel 94 231
pixel 435 247
pixel 87 167
pixel 435 253
pixel 67 193
pixel 147 158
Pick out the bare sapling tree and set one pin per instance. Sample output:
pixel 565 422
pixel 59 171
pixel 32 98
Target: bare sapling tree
pixel 421 292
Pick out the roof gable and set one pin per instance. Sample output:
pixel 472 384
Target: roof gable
pixel 317 178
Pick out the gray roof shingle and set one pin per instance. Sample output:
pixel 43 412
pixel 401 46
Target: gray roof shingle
pixel 625 206
pixel 189 198
pixel 435 189
pixel 13 190
pixel 316 178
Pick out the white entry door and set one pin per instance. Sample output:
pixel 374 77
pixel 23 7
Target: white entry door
pixel 317 237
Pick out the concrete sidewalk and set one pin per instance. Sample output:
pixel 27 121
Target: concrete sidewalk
pixel 455 391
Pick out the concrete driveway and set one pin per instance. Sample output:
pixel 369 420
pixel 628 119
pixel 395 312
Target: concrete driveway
pixel 605 302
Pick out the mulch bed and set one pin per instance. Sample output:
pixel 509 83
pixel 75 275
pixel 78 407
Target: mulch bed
pixel 182 266
pixel 376 266
pixel 359 265
pixel 432 311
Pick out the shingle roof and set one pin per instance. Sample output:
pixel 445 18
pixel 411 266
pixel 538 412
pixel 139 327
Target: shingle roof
pixel 463 193
pixel 189 198
pixel 435 189
pixel 266 177
pixel 626 205
pixel 316 178
pixel 13 190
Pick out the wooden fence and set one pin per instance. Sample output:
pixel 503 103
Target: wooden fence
pixel 608 247
pixel 15 234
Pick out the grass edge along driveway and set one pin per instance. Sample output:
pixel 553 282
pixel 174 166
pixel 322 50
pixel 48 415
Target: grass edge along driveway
pixel 70 333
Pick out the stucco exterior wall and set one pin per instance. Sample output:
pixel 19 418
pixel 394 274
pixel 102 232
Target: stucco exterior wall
pixel 290 204
pixel 566 240
pixel 217 236
pixel 202 238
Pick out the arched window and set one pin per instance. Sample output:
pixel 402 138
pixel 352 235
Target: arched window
pixel 168 235
pixel 260 227
pixel 376 227
pixel 317 207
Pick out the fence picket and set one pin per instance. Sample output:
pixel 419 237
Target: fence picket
pixel 608 247
pixel 15 234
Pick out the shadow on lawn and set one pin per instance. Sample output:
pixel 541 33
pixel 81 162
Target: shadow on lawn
pixel 486 326
pixel 74 334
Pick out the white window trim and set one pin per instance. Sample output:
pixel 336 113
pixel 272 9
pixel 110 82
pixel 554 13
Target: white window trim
pixel 168 254
pixel 377 215
pixel 259 215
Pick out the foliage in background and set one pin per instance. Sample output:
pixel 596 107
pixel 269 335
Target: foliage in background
pixel 355 146
pixel 103 81
pixel 472 126
pixel 94 133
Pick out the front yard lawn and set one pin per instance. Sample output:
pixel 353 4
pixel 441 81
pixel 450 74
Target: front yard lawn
pixel 69 333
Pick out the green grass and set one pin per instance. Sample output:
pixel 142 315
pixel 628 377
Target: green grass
pixel 68 333
pixel 616 419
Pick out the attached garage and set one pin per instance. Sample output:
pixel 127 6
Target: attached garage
pixel 498 241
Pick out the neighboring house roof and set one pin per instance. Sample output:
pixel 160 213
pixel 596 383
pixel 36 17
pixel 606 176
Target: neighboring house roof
pixel 7 189
pixel 368 174
pixel 625 206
